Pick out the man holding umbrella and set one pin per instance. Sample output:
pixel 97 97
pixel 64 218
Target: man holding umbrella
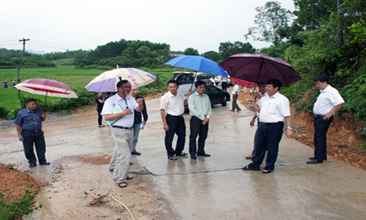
pixel 29 125
pixel 120 109
pixel 274 108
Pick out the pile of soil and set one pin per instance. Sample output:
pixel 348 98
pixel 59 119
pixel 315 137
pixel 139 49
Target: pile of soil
pixel 343 137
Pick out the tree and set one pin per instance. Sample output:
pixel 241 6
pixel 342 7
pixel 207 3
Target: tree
pixel 191 51
pixel 269 19
pixel 213 55
pixel 227 49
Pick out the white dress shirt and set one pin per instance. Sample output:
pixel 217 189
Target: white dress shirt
pixel 108 109
pixel 273 109
pixel 327 99
pixel 199 106
pixel 236 89
pixel 173 105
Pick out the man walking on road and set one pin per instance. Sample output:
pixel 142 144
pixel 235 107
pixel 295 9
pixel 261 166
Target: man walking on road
pixel 29 125
pixel 257 97
pixel 120 108
pixel 274 108
pixel 172 110
pixel 235 93
pixel 328 103
pixel 199 105
pixel 137 123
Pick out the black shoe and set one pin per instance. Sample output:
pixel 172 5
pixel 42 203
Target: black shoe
pixel 313 158
pixel 45 163
pixel 193 157
pixel 32 165
pixel 135 153
pixel 314 161
pixel 251 168
pixel 204 155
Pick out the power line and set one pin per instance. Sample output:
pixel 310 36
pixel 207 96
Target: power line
pixel 46 46
pixel 42 42
pixel 8 41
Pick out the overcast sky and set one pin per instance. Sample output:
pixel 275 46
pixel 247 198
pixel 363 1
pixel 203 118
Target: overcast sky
pixel 57 25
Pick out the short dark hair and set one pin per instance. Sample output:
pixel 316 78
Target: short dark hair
pixel 30 100
pixel 275 83
pixel 198 83
pixel 322 78
pixel 122 82
pixel 172 81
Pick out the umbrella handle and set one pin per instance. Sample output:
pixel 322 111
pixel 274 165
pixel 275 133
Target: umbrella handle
pixel 123 91
pixel 44 107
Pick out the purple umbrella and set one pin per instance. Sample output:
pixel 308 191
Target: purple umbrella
pixel 259 68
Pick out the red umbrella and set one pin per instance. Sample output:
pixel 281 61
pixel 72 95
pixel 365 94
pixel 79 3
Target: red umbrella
pixel 259 68
pixel 245 83
pixel 46 87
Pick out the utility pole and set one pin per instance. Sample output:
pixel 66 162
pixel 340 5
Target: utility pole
pixel 20 64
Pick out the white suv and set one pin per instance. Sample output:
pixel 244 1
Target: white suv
pixel 191 77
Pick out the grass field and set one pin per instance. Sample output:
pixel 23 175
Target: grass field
pixel 75 78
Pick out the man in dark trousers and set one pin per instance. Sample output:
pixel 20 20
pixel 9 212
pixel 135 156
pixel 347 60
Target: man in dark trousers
pixel 172 110
pixel 29 125
pixel 328 103
pixel 199 105
pixel 274 109
pixel 137 123
pixel 100 99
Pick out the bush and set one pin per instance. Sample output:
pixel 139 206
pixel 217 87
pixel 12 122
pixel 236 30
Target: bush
pixel 16 210
pixel 3 112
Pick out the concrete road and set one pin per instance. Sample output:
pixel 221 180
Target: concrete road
pixel 206 188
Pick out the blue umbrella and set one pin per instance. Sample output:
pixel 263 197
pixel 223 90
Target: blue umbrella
pixel 198 63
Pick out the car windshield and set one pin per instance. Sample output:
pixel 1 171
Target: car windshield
pixel 185 88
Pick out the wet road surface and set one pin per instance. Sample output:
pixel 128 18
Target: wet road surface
pixel 207 188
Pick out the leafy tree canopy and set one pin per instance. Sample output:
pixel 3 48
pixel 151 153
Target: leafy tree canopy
pixel 227 49
pixel 191 51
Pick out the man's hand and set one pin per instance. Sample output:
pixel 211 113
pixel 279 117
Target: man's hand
pixel 205 121
pixel 166 127
pixel 250 99
pixel 327 116
pixel 21 138
pixel 289 133
pixel 189 92
pixel 140 101
pixel 44 116
pixel 252 122
pixel 127 111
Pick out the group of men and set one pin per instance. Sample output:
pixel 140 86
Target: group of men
pixel 272 110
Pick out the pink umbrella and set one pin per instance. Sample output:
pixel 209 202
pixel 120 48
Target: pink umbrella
pixel 46 87
pixel 245 83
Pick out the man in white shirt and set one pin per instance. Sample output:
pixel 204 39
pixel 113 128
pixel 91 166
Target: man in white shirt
pixel 328 103
pixel 120 108
pixel 235 93
pixel 172 110
pixel 200 109
pixel 274 108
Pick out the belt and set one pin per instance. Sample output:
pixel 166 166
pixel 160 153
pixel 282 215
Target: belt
pixel 31 130
pixel 270 123
pixel 318 116
pixel 175 115
pixel 121 127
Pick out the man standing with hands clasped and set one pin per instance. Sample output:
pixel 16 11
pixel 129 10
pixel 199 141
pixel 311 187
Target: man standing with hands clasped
pixel 172 110
pixel 200 109
pixel 329 102
pixel 120 109
pixel 274 108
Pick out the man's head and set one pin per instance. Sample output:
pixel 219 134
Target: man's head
pixel 273 86
pixel 200 87
pixel 126 87
pixel 100 94
pixel 135 91
pixel 31 104
pixel 262 87
pixel 173 86
pixel 321 82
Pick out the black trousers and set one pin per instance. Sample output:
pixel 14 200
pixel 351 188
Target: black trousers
pixel 99 116
pixel 224 86
pixel 268 139
pixel 254 152
pixel 176 126
pixel 320 137
pixel 197 129
pixel 37 138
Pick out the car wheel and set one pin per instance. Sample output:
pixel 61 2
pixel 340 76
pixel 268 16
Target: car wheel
pixel 223 103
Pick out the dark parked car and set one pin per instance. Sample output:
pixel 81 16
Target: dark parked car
pixel 191 77
pixel 216 95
